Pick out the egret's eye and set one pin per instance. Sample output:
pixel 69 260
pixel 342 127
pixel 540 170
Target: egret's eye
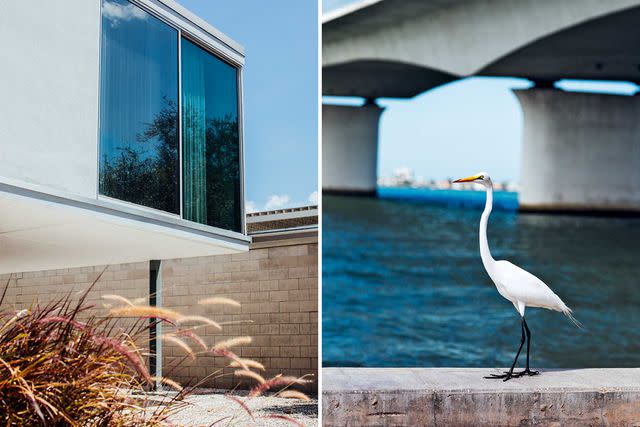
pixel 481 177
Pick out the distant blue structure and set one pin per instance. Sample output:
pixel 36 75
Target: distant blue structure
pixel 502 200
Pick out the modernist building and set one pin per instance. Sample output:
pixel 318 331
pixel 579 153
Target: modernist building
pixel 276 282
pixel 121 145
pixel 120 135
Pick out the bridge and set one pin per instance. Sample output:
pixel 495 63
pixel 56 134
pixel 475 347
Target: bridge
pixel 585 146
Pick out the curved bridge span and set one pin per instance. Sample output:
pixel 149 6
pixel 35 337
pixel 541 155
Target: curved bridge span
pixel 401 48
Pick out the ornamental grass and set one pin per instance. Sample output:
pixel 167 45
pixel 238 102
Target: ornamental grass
pixel 62 365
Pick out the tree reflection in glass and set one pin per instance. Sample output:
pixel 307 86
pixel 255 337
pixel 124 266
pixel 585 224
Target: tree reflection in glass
pixel 138 108
pixel 149 180
pixel 139 113
pixel 211 150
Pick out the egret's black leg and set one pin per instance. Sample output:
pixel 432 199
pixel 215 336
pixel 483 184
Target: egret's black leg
pixel 507 375
pixel 527 371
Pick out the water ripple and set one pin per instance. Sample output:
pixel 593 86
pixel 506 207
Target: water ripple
pixel 403 284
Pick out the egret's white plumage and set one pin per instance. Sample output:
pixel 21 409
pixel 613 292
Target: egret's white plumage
pixel 524 289
pixel 519 286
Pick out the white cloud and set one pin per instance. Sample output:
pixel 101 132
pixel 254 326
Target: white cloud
pixel 313 198
pixel 280 201
pixel 250 206
pixel 116 12
pixel 276 201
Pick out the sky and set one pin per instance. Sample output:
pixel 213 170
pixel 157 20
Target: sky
pixel 461 128
pixel 329 5
pixel 280 95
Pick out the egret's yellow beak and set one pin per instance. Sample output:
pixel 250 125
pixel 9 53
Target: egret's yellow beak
pixel 468 179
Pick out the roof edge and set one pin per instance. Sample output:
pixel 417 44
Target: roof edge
pixel 203 25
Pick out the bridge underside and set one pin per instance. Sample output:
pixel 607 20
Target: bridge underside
pixel 376 79
pixel 601 49
pixel 566 135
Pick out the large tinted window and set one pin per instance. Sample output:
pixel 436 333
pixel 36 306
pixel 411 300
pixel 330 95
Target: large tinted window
pixel 211 155
pixel 139 159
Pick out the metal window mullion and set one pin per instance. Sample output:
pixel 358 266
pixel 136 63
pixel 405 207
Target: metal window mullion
pixel 240 97
pixel 180 192
pixel 99 130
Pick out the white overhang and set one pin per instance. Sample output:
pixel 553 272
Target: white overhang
pixel 43 230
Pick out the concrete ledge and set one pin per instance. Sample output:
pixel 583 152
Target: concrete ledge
pixel 462 397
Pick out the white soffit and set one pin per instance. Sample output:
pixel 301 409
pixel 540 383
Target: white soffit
pixel 39 231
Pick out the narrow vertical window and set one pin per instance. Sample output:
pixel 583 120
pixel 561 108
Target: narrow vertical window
pixel 139 161
pixel 210 139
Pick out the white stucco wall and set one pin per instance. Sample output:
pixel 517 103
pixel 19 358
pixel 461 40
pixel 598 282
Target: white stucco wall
pixel 49 67
pixel 350 148
pixel 50 213
pixel 580 151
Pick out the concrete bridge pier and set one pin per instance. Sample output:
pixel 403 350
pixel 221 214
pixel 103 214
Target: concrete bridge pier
pixel 580 152
pixel 350 149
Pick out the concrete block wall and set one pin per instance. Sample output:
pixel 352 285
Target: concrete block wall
pixel 26 288
pixel 278 289
pixel 43 287
pixel 277 286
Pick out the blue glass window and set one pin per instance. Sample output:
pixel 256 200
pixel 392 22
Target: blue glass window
pixel 210 139
pixel 140 112
pixel 139 158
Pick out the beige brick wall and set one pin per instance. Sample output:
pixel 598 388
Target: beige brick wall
pixel 277 285
pixel 278 289
pixel 128 280
pixel 43 287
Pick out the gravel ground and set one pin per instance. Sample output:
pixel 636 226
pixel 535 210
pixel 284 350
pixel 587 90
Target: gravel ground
pixel 207 406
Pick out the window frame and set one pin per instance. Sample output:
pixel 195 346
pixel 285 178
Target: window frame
pixel 212 44
pixel 239 111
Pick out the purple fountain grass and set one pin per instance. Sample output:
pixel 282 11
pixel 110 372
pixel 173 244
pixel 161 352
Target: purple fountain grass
pixel 57 368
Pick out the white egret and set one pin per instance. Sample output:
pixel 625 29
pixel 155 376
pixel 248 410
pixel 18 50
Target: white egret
pixel 520 287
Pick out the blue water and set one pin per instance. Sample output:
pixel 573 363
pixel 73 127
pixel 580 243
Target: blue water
pixel 403 284
pixel 502 200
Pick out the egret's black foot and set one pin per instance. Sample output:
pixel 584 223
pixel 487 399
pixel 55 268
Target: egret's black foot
pixel 527 372
pixel 505 377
